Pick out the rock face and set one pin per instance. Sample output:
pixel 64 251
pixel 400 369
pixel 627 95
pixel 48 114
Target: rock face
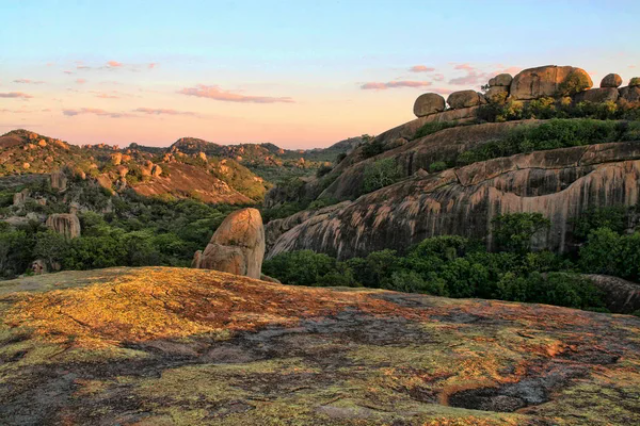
pixel 534 83
pixel 59 181
pixel 598 95
pixel 66 224
pixel 237 246
pixel 464 99
pixel 20 197
pixel 630 93
pixel 611 80
pixel 561 184
pixel 621 295
pixel 427 104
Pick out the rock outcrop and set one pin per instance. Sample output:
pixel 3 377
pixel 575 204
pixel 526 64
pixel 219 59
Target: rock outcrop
pixel 630 93
pixel 621 296
pixel 58 181
pixel 427 104
pixel 561 184
pixel 464 99
pixel 546 81
pixel 611 80
pixel 19 198
pixel 603 94
pixel 237 246
pixel 66 224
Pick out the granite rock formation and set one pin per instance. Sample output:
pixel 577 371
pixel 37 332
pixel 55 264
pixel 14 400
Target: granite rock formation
pixel 561 184
pixel 66 224
pixel 237 246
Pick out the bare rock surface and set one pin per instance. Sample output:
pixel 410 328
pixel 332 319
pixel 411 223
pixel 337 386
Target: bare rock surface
pixel 179 346
pixel 545 81
pixel 66 224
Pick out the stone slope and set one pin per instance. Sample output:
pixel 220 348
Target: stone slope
pixel 171 346
pixel 561 184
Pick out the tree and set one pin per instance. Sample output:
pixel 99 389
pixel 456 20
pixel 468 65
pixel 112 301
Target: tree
pixel 380 174
pixel 513 232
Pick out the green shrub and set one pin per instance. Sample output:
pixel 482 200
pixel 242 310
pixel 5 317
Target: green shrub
pixel 433 127
pixel 372 148
pixel 575 82
pixel 303 267
pixel 513 232
pixel 381 173
pixel 438 166
pixel 635 81
pixel 614 218
pixel 323 170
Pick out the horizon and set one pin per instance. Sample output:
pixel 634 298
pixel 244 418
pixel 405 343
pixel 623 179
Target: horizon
pixel 296 74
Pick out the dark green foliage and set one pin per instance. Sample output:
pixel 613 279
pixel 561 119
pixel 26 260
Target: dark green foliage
pixel 575 82
pixel 607 252
pixel 514 232
pixel 614 218
pixel 372 148
pixel 303 267
pixel 438 166
pixel 323 170
pixel 341 157
pixel 381 173
pixel 433 127
pixel 557 133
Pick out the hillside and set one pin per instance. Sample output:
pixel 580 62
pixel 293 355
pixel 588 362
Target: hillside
pixel 167 346
pixel 543 141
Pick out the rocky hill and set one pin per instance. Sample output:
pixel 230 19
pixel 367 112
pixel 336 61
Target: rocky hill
pixel 169 346
pixel 543 141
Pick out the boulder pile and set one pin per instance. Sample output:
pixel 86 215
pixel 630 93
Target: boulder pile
pixel 550 81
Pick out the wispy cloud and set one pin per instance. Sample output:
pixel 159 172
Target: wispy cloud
pixel 27 81
pixel 214 92
pixel 394 85
pixel 421 68
pixel 95 111
pixel 81 81
pixel 152 65
pixel 162 111
pixel 67 72
pixel 477 76
pixel 103 95
pixel 114 64
pixel 18 95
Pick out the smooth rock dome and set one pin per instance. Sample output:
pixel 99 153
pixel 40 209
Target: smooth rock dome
pixel 545 81
pixel 611 80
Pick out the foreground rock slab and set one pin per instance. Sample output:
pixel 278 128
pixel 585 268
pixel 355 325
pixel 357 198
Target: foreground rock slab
pixel 180 346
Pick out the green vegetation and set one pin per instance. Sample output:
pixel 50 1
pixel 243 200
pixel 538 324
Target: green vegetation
pixel 575 82
pixel 556 133
pixel 634 82
pixel 548 108
pixel 433 127
pixel 458 267
pixel 380 174
pixel 133 231
pixel 438 166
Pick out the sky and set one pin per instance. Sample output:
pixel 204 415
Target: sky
pixel 297 73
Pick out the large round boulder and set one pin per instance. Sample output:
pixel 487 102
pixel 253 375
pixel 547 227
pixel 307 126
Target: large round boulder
pixel 464 99
pixel 237 246
pixel 503 79
pixel 427 104
pixel 549 81
pixel 66 224
pixel 611 80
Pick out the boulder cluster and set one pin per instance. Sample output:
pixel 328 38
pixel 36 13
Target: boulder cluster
pixel 534 83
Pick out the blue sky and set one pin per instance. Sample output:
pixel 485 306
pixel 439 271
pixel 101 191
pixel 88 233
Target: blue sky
pixel 316 54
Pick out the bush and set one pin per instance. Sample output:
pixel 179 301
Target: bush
pixel 575 82
pixel 340 158
pixel 438 166
pixel 381 173
pixel 513 232
pixel 433 127
pixel 372 148
pixel 635 81
pixel 607 252
pixel 614 218
pixel 303 267
pixel 323 170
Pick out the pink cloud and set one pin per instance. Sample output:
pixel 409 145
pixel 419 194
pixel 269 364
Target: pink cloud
pixel 160 111
pixel 438 77
pixel 50 64
pixel 106 95
pixel 81 81
pixel 83 67
pixel 421 68
pixel 214 92
pixel 152 65
pixel 394 85
pixel 114 64
pixel 68 72
pixel 95 111
pixel 15 95
pixel 466 67
pixel 27 81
